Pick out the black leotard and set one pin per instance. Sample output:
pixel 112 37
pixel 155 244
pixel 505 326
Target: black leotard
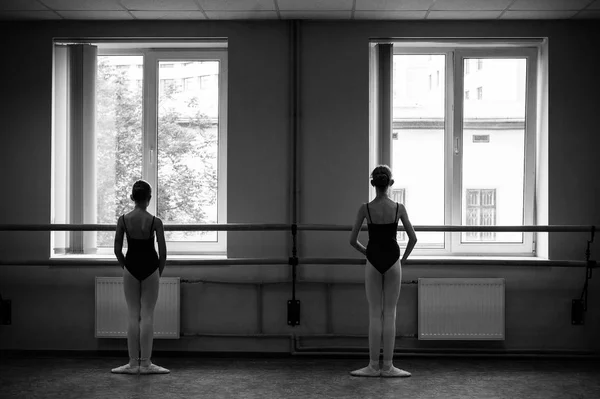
pixel 141 259
pixel 383 250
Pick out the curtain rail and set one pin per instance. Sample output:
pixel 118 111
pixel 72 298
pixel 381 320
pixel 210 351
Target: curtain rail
pixel 308 261
pixel 288 227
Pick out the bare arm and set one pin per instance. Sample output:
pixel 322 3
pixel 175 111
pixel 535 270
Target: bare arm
pixel 118 246
pixel 162 245
pixel 360 216
pixel 412 237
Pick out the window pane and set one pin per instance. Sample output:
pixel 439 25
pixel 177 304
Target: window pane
pixel 119 137
pixel 493 169
pixel 187 146
pixel 418 151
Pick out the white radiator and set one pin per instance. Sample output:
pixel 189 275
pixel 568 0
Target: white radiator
pixel 111 308
pixel 461 309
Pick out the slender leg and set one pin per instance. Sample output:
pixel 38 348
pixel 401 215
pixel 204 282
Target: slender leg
pixel 149 297
pixel 373 285
pixel 391 293
pixel 374 296
pixel 132 289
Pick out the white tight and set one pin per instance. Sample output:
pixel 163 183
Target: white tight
pixel 383 292
pixel 141 299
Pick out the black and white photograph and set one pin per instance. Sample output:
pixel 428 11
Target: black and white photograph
pixel 300 199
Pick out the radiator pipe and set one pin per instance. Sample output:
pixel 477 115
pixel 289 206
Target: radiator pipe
pixel 295 350
pixel 329 308
pixel 259 307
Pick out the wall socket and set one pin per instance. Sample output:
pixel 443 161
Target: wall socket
pixel 5 312
pixel 577 312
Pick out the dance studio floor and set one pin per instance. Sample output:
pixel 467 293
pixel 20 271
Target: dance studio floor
pixel 297 377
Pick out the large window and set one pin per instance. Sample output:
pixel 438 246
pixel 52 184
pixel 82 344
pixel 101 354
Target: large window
pixel 465 149
pixel 143 115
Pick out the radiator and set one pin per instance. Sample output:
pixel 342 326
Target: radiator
pixel 111 308
pixel 461 309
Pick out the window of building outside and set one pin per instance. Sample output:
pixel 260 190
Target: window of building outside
pixel 152 120
pixel 398 195
pixel 481 211
pixel 464 162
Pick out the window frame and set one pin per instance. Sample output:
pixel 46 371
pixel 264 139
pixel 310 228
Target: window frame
pixel 150 134
pixel 150 85
pixel 456 52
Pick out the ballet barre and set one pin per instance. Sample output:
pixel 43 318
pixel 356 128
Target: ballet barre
pixel 299 227
pixel 294 260
pixel 472 261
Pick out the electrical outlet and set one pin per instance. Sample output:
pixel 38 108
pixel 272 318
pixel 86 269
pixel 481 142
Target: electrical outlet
pixel 5 312
pixel 577 312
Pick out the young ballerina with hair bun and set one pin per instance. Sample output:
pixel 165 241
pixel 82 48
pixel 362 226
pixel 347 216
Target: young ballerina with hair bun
pixel 142 268
pixel 383 272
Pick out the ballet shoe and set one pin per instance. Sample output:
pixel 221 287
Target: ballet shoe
pixel 125 369
pixel 366 372
pixel 153 369
pixel 394 372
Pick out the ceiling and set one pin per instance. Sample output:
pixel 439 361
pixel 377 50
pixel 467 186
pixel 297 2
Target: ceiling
pixel 297 9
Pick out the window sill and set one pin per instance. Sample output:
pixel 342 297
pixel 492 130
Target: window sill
pixel 520 261
pixel 111 257
pixel 483 258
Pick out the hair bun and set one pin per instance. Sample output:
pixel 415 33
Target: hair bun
pixel 141 191
pixel 381 179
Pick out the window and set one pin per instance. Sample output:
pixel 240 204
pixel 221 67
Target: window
pixel 189 83
pixel 171 134
pixel 430 86
pixel 437 80
pixel 465 162
pixel 208 82
pixel 479 64
pixel 481 211
pixel 398 196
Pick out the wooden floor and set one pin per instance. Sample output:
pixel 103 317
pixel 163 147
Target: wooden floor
pixel 81 377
